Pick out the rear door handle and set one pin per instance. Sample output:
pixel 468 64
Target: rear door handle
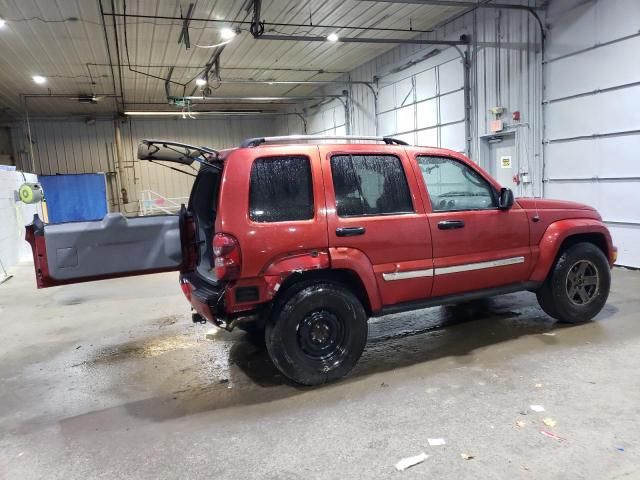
pixel 450 224
pixel 349 231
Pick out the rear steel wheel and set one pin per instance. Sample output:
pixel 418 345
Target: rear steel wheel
pixel 316 333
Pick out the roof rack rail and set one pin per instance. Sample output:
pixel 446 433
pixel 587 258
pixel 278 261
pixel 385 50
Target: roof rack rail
pixel 254 142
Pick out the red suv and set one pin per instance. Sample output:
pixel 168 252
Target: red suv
pixel 305 240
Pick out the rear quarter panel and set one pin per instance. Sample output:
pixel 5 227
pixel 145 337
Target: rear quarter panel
pixel 263 242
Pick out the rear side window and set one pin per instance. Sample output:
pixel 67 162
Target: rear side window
pixel 370 185
pixel 281 189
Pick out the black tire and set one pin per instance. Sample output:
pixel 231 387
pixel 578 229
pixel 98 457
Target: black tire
pixel 578 285
pixel 317 332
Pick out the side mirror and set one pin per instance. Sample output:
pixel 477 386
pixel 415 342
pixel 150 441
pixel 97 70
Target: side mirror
pixel 505 201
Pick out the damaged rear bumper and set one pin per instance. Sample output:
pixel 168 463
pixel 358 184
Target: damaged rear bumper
pixel 207 299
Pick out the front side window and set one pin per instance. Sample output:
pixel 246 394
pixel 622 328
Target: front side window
pixel 281 189
pixel 370 185
pixel 452 185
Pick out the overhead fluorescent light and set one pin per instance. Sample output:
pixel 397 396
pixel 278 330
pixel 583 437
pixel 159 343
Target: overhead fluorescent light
pixel 227 33
pixel 178 113
pixel 39 79
pixel 333 37
pixel 201 82
pixel 3 22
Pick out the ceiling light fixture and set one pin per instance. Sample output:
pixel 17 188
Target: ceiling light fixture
pixel 333 37
pixel 3 22
pixel 160 113
pixel 39 79
pixel 201 82
pixel 227 33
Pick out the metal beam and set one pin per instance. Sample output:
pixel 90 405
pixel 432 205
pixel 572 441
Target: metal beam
pixel 454 3
pixel 227 21
pixel 303 38
pixel 257 98
pixel 184 34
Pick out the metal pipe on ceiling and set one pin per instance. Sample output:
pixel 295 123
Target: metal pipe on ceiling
pixel 472 5
pixel 410 41
pixel 224 22
pixel 256 98
pixel 106 41
pixel 369 85
pixel 454 3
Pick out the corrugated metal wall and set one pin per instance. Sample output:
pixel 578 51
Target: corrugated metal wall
pixel 505 71
pixel 592 113
pixel 74 146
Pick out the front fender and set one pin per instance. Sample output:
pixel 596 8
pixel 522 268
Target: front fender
pixel 557 233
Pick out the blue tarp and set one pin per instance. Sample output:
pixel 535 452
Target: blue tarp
pixel 75 198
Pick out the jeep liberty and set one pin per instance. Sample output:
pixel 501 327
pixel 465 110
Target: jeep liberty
pixel 302 241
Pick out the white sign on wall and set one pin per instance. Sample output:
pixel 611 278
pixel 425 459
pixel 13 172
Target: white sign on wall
pixel 505 162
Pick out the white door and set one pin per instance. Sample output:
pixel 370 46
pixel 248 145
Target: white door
pixel 503 161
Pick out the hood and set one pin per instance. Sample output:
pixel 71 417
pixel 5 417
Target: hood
pixel 549 204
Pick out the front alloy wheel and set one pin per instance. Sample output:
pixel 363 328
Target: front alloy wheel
pixel 578 285
pixel 582 282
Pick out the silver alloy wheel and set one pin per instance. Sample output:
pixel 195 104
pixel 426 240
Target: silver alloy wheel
pixel 583 282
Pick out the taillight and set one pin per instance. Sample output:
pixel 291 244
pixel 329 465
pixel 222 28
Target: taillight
pixel 186 289
pixel 227 257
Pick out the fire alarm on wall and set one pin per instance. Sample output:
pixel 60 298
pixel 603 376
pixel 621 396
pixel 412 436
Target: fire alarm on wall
pixel 516 116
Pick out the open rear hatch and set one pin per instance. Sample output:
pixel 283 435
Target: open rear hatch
pixel 117 246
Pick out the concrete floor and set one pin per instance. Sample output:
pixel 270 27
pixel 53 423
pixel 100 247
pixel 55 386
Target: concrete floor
pixel 111 380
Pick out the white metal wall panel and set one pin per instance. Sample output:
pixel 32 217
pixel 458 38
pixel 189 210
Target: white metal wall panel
pixel 607 112
pixel 609 66
pixel 602 157
pixel 592 113
pixel 329 119
pixel 425 96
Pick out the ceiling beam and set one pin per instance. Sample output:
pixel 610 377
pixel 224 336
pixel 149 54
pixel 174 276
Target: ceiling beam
pixel 412 41
pixel 454 3
pixel 222 22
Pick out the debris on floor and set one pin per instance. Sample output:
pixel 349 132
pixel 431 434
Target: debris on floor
pixel 408 462
pixel 521 424
pixel 466 456
pixel 552 435
pixel 549 334
pixel 549 422
pixel 434 442
pixel 212 333
pixel 538 385
pixel 620 449
pixel 537 408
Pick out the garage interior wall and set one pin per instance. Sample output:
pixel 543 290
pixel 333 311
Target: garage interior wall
pixel 6 149
pixel 592 113
pixel 420 97
pixel 74 146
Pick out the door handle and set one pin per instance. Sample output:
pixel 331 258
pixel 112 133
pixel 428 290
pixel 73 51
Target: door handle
pixel 450 224
pixel 349 231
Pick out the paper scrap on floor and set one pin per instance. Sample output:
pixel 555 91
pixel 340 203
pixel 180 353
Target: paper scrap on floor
pixel 408 462
pixel 434 442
